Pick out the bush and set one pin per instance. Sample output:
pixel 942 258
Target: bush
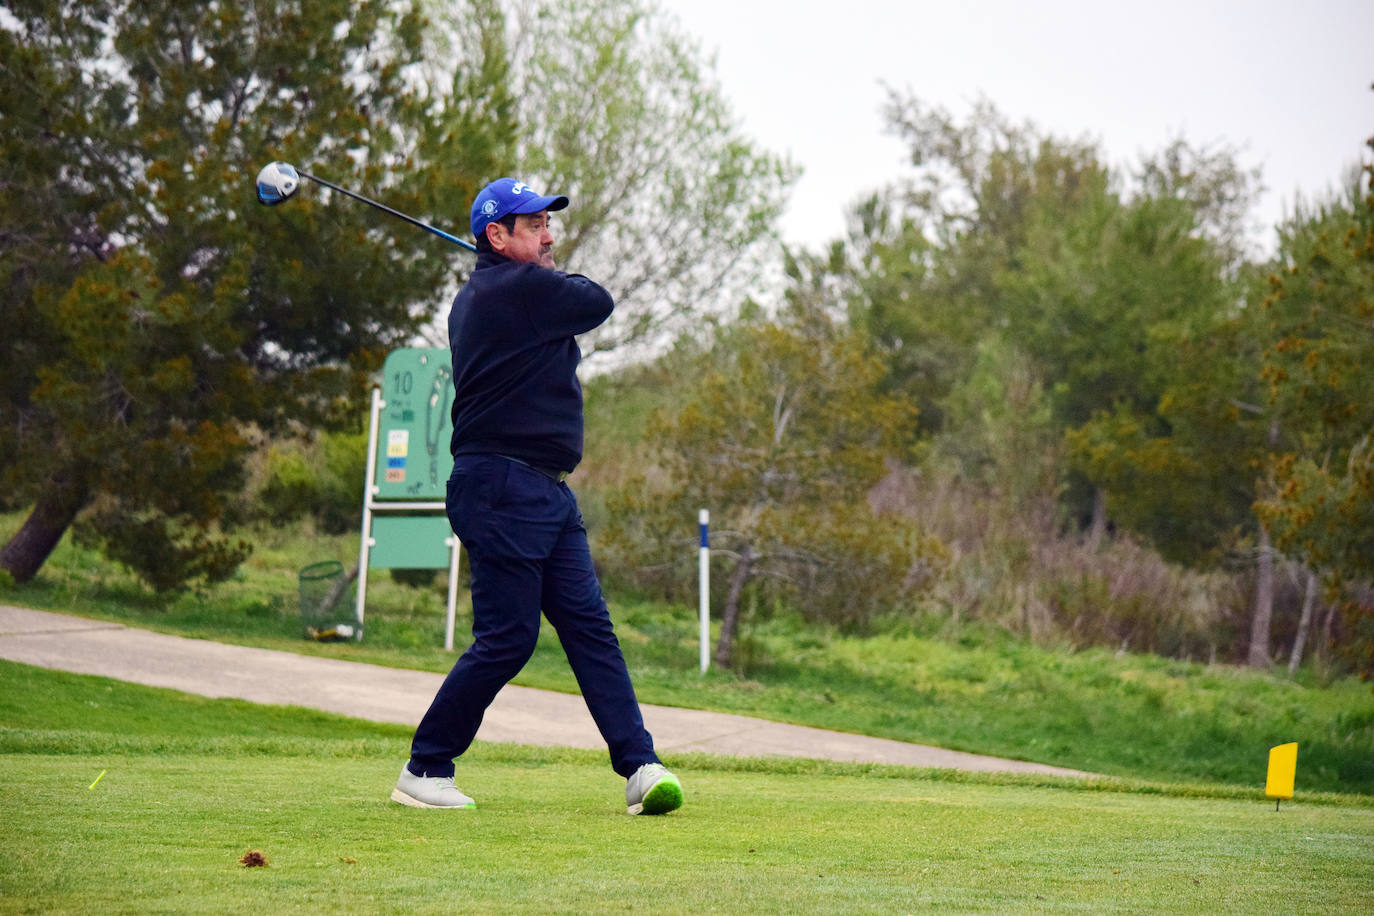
pixel 321 478
pixel 863 567
pixel 1018 569
pixel 292 487
pixel 167 553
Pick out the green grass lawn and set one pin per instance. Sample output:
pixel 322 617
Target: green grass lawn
pixel 191 784
pixel 1130 716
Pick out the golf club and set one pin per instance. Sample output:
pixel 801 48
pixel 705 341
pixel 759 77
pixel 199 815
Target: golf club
pixel 279 181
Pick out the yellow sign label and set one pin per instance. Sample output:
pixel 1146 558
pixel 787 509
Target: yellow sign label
pixel 1283 766
pixel 397 443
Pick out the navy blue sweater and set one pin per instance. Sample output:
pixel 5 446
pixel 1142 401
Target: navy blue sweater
pixel 515 360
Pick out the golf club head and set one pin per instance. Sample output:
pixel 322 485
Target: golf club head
pixel 276 182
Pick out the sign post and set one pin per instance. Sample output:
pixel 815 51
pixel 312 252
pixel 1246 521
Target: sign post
pixel 704 577
pixel 408 466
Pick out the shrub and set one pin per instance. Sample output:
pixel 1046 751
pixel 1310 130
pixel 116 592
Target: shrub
pixel 321 477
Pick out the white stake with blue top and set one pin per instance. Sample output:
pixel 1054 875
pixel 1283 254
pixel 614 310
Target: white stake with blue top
pixel 705 577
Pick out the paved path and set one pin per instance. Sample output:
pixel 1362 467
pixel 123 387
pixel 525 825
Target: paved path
pixel 520 714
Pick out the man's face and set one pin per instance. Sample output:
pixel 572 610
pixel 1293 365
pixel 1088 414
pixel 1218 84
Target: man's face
pixel 531 242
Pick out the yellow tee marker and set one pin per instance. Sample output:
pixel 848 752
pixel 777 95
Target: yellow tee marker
pixel 1283 765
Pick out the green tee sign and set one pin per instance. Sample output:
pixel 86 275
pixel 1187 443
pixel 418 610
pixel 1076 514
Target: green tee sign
pixel 413 461
pixel 408 465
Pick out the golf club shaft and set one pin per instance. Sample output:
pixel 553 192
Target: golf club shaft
pixel 397 213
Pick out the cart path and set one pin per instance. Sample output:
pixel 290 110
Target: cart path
pixel 520 714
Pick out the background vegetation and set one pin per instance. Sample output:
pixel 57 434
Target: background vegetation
pixel 1126 432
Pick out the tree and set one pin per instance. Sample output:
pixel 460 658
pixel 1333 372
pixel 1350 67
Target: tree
pixel 898 285
pixel 156 314
pixel 1125 304
pixel 1319 366
pixel 1132 317
pixel 1218 191
pixel 1185 471
pixel 1182 470
pixel 673 206
pixel 1006 232
pixel 1115 296
pixel 1096 294
pixel 930 256
pixel 783 434
pixel 1004 438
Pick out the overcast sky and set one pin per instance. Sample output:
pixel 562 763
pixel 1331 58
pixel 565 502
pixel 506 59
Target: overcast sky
pixel 1287 83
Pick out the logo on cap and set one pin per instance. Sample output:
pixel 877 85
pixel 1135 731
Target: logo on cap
pixel 488 208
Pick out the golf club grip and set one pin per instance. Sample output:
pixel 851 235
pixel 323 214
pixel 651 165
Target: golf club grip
pixel 397 213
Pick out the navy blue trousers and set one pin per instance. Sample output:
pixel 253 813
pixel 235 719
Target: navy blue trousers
pixel 527 551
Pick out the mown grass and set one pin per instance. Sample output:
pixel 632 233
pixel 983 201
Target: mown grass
pixel 981 691
pixel 191 784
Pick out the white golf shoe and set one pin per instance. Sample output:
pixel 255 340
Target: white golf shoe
pixel 429 792
pixel 653 790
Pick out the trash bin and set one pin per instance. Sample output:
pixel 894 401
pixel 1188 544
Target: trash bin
pixel 324 612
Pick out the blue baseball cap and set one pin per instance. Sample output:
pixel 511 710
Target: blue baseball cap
pixel 505 196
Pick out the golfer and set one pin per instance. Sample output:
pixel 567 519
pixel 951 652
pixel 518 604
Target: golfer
pixel 517 434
